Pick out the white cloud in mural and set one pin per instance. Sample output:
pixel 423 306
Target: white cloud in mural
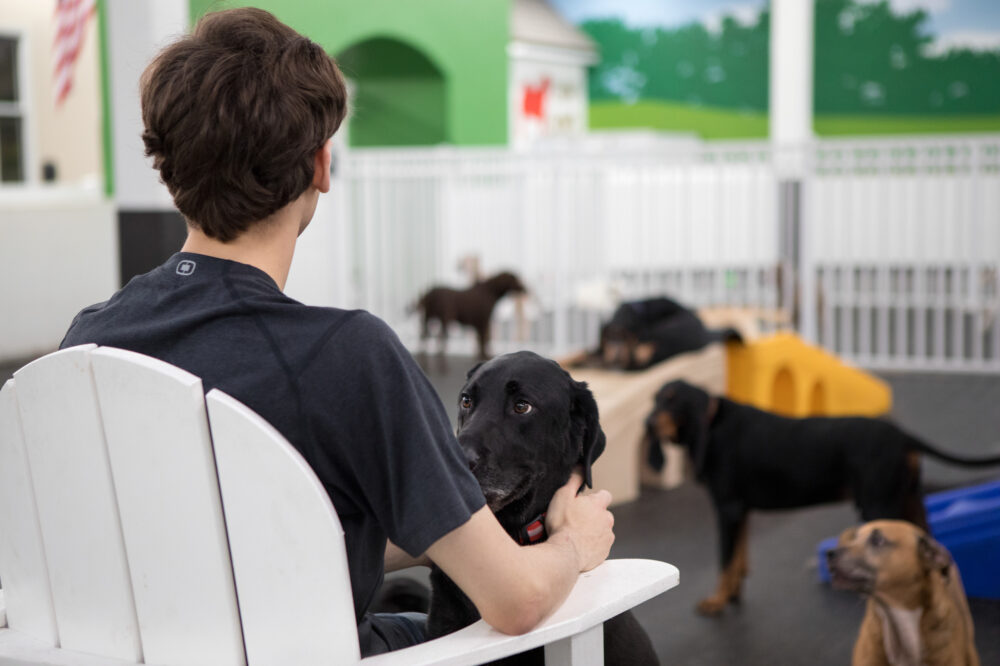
pixel 663 13
pixel 908 6
pixel 745 14
pixel 973 40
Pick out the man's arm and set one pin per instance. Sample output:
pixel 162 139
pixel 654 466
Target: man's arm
pixel 516 587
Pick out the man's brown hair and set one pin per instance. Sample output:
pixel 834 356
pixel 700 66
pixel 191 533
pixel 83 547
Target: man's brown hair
pixel 234 114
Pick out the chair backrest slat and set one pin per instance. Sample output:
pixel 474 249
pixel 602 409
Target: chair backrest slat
pixel 287 544
pixel 23 569
pixel 77 509
pixel 164 474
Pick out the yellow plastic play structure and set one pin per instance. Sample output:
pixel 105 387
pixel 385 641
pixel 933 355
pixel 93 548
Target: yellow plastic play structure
pixel 783 374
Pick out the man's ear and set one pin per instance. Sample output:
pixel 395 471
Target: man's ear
pixel 321 167
pixel 586 428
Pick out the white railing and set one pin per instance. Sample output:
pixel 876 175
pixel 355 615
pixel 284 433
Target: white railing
pixel 699 224
pixel 900 238
pixel 904 243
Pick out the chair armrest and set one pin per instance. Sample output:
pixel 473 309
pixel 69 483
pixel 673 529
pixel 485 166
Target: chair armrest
pixel 607 591
pixel 17 649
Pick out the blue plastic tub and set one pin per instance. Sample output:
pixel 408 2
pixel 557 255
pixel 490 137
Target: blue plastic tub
pixel 966 521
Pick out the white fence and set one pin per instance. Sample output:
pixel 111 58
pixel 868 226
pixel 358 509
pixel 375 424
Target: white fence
pixel 903 239
pixel 699 224
pixel 899 254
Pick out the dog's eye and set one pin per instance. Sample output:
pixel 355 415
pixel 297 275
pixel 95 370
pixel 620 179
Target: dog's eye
pixel 521 407
pixel 876 539
pixel 465 401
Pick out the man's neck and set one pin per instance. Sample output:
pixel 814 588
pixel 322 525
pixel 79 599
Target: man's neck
pixel 267 245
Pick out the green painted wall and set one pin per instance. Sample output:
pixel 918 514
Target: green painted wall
pixel 464 40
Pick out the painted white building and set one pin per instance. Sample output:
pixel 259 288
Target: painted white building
pixel 547 77
pixel 35 131
pixel 58 238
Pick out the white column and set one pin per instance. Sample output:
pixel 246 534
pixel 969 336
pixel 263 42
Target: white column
pixel 791 92
pixel 791 119
pixel 136 32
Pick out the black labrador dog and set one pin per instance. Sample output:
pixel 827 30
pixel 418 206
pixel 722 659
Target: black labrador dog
pixel 643 333
pixel 523 424
pixel 752 459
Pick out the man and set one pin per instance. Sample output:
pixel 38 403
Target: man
pixel 238 118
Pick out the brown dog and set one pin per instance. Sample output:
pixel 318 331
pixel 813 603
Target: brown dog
pixel 472 307
pixel 917 613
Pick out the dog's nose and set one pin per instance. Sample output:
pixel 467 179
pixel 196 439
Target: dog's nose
pixel 832 555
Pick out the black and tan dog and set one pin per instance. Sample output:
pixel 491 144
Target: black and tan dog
pixel 471 307
pixel 643 333
pixel 524 424
pixel 916 612
pixel 752 459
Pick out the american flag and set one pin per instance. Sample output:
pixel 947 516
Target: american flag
pixel 71 18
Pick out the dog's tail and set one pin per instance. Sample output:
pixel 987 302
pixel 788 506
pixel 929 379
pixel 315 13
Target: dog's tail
pixel 929 450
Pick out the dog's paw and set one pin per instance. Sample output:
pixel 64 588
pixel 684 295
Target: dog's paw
pixel 711 607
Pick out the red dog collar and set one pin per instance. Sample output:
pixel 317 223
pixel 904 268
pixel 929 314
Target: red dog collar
pixel 533 532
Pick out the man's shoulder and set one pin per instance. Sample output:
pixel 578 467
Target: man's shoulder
pixel 359 331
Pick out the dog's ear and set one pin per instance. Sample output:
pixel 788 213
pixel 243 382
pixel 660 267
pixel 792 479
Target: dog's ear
pixel 473 369
pixel 697 402
pixel 654 454
pixel 933 555
pixel 586 428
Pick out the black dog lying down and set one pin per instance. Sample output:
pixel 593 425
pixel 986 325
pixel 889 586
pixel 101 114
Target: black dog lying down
pixel 752 459
pixel 643 333
pixel 524 424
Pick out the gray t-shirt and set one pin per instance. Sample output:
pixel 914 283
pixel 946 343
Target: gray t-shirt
pixel 337 384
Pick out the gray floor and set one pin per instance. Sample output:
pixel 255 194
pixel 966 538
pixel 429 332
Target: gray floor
pixel 786 617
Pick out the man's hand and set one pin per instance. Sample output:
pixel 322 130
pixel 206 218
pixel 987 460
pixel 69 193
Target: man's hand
pixel 582 519
pixel 515 587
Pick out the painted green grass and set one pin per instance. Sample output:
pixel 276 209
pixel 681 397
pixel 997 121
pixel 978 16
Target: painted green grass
pixel 848 125
pixel 709 122
pixel 717 123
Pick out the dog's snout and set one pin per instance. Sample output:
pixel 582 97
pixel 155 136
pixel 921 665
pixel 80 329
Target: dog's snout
pixel 473 458
pixel 833 555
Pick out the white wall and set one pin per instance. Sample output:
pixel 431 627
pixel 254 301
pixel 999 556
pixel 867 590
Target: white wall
pixel 58 254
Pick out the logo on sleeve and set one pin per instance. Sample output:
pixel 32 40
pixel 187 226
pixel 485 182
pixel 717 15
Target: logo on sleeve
pixel 185 267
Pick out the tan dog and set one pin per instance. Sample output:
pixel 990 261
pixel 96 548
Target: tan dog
pixel 917 613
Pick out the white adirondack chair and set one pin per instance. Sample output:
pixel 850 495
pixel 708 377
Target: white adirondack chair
pixel 142 522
